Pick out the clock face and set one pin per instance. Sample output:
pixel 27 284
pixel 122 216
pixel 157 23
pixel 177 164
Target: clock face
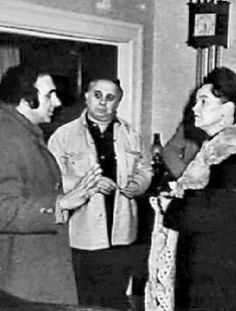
pixel 205 24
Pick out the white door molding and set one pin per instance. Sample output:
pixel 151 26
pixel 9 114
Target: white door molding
pixel 37 20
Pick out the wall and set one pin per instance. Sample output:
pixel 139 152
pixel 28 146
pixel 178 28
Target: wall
pixel 174 66
pixel 229 57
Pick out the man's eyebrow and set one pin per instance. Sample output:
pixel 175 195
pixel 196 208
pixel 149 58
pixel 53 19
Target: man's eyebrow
pixel 52 91
pixel 202 96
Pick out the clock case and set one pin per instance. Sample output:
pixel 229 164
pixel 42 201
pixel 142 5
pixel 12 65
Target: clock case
pixel 221 9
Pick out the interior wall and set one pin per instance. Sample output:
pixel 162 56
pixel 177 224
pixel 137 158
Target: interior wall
pixel 174 66
pixel 229 55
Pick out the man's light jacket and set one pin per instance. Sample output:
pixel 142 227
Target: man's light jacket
pixel 75 151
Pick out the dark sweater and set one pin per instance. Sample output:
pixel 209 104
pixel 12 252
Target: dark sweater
pixel 206 250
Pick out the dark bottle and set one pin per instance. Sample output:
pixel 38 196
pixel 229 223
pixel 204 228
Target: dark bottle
pixel 157 166
pixel 156 154
pixel 161 174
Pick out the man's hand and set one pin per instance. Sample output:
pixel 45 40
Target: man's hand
pixel 89 183
pixel 106 185
pixel 62 216
pixel 86 187
pixel 132 189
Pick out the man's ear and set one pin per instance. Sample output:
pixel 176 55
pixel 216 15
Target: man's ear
pixel 23 107
pixel 24 104
pixel 228 112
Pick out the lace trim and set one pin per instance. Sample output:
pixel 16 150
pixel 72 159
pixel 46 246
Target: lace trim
pixel 159 291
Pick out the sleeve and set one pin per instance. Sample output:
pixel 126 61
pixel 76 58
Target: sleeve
pixel 204 211
pixel 178 152
pixel 21 211
pixel 143 173
pixel 57 146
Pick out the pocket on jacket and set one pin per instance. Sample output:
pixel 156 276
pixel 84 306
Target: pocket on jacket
pixel 76 164
pixel 132 160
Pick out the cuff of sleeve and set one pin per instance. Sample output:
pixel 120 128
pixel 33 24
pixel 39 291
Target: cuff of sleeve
pixel 61 214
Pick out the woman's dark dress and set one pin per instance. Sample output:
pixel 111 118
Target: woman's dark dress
pixel 206 250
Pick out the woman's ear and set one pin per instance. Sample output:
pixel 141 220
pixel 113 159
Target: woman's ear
pixel 228 112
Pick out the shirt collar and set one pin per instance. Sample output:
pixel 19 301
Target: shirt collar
pixel 86 120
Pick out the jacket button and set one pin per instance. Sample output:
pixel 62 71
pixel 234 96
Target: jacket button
pixel 57 185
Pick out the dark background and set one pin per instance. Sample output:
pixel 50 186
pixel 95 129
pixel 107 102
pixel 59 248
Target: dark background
pixel 72 65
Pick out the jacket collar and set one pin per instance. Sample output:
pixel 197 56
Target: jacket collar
pixel 18 117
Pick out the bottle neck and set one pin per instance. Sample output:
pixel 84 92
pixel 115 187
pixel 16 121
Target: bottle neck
pixel 156 139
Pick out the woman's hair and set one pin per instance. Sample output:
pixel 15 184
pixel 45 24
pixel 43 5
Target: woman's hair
pixel 223 82
pixel 18 83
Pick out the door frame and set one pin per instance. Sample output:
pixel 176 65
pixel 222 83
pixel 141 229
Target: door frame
pixel 32 19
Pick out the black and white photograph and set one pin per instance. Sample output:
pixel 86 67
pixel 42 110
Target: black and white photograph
pixel 117 155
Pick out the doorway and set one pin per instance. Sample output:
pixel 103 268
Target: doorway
pixel 72 64
pixel 40 21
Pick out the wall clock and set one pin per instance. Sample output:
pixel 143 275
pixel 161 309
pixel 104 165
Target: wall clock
pixel 204 24
pixel 208 23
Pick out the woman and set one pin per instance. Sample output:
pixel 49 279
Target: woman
pixel 206 217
